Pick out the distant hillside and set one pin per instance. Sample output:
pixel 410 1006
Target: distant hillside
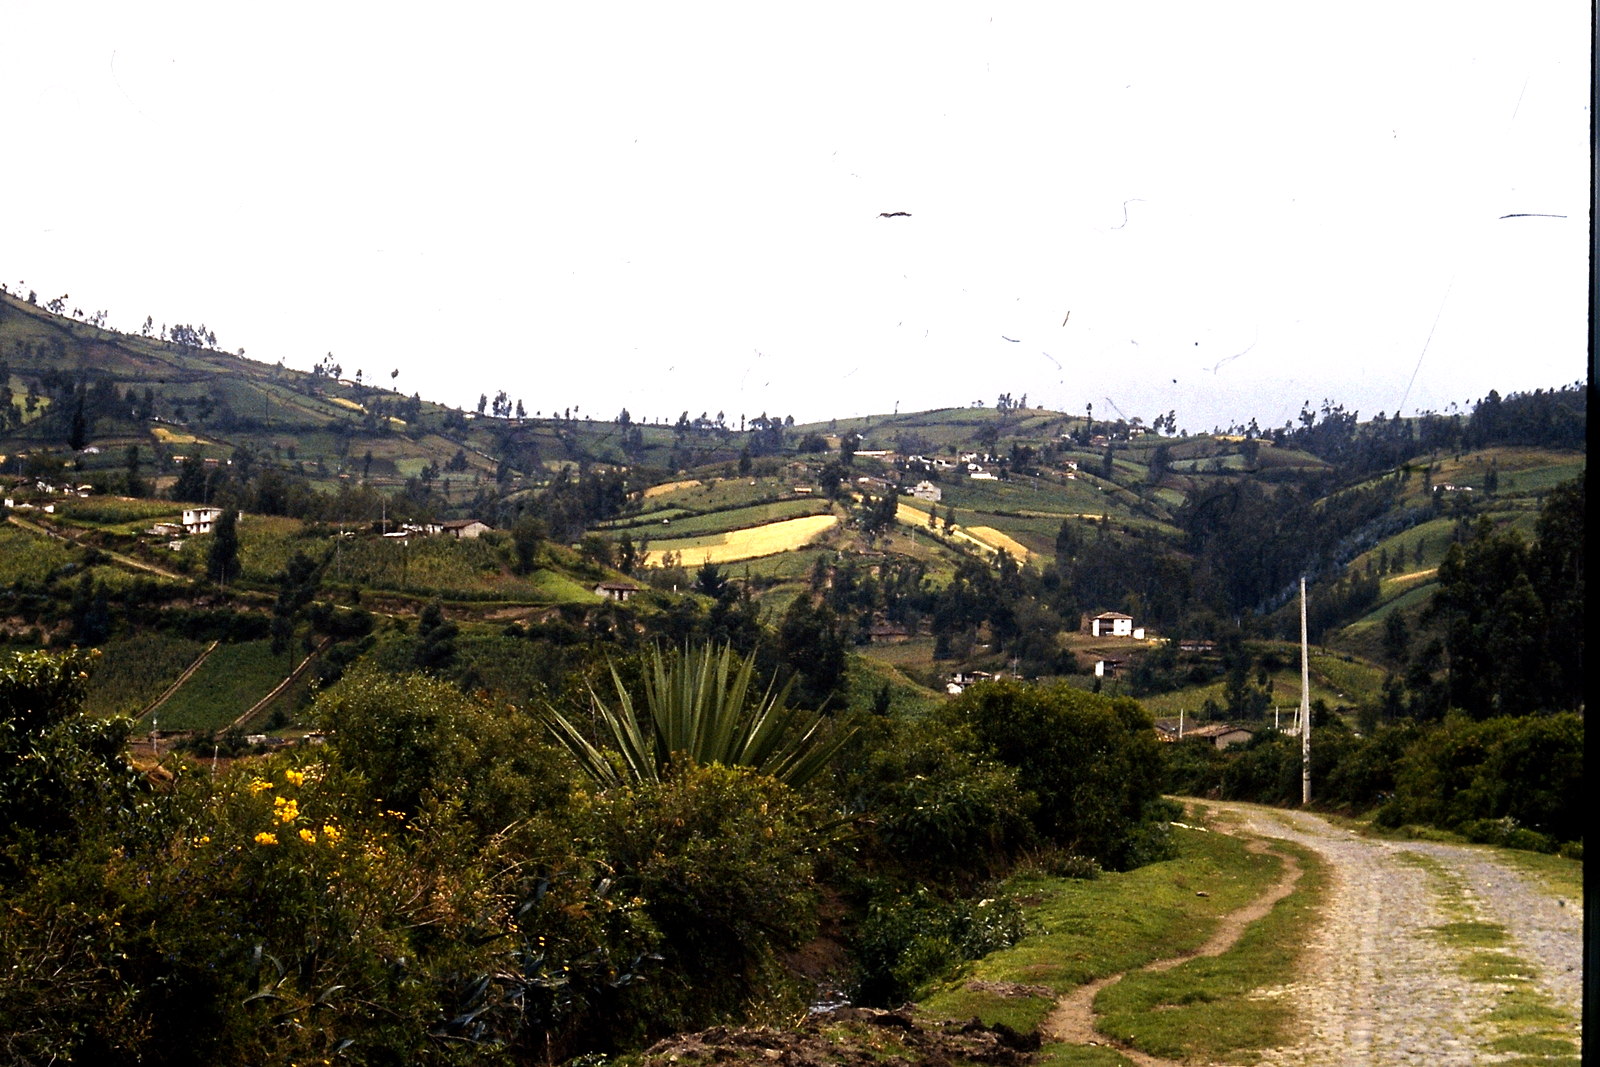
pixel 1024 522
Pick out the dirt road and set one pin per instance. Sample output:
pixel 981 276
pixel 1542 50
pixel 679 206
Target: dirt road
pixel 1428 953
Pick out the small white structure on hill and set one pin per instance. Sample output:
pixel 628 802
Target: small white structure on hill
pixel 465 529
pixel 1111 624
pixel 200 520
pixel 926 490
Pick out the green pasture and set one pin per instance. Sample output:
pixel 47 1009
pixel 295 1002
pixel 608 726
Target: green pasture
pixel 720 493
pixel 232 679
pixel 718 522
pixel 132 671
pixel 1333 681
pixel 101 512
pixel 26 556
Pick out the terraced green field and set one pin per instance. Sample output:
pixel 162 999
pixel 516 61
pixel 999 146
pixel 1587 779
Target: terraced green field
pixel 130 673
pixel 232 679
pixel 29 557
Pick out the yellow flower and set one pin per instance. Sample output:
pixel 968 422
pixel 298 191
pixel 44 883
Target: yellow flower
pixel 308 836
pixel 331 832
pixel 264 838
pixel 295 777
pixel 287 812
pixel 259 785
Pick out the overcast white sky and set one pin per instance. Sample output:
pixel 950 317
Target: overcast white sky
pixel 671 206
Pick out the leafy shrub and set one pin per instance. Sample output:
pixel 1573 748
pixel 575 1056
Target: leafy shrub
pixel 720 859
pixel 63 774
pixel 911 938
pixel 1091 761
pixel 1056 862
pixel 937 812
pixel 1527 769
pixel 1505 833
pixel 409 738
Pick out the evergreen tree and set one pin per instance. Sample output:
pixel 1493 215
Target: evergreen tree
pixel 134 484
pixel 222 561
pixel 436 640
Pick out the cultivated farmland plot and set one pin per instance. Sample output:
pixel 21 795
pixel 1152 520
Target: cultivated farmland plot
pixel 749 543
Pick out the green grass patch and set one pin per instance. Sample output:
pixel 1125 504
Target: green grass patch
pixel 1462 935
pixel 103 511
pixel 1559 876
pixel 1056 1055
pixel 1354 681
pixel 130 673
pixel 230 680
pixel 1227 1006
pixel 738 518
pixel 1115 923
pixel 26 556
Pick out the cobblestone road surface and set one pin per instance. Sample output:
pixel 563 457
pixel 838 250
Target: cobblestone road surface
pixel 1380 987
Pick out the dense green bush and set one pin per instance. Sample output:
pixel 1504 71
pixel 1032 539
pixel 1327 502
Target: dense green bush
pixel 910 939
pixel 63 775
pixel 721 861
pixel 937 812
pixel 1515 781
pixel 410 739
pixel 1091 761
pixel 1528 770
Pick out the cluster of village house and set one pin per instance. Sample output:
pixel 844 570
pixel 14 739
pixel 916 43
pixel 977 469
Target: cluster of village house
pixel 974 464
pixel 40 493
pixel 1105 624
pixel 202 520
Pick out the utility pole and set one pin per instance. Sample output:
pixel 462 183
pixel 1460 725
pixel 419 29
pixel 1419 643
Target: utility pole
pixel 1305 702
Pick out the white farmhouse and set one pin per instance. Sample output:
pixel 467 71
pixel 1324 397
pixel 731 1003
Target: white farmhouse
pixel 1111 624
pixel 200 520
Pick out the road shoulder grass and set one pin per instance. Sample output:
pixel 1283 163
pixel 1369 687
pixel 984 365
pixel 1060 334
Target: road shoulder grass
pixel 1525 1024
pixel 1120 922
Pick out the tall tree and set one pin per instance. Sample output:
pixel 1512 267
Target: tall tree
pixel 222 561
pixel 133 483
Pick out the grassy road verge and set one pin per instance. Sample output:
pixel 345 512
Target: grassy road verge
pixel 1119 923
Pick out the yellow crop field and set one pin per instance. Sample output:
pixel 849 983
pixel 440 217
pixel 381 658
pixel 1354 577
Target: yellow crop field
pixel 173 437
pixel 985 537
pixel 351 404
pixel 749 543
pixel 994 539
pixel 670 487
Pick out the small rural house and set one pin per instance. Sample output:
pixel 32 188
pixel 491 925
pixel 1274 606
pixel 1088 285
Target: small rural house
pixel 618 591
pixel 1108 668
pixel 200 520
pixel 926 490
pixel 1111 624
pixel 961 679
pixel 1221 734
pixel 465 529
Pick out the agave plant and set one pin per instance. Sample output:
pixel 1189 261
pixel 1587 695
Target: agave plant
pixel 698 707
